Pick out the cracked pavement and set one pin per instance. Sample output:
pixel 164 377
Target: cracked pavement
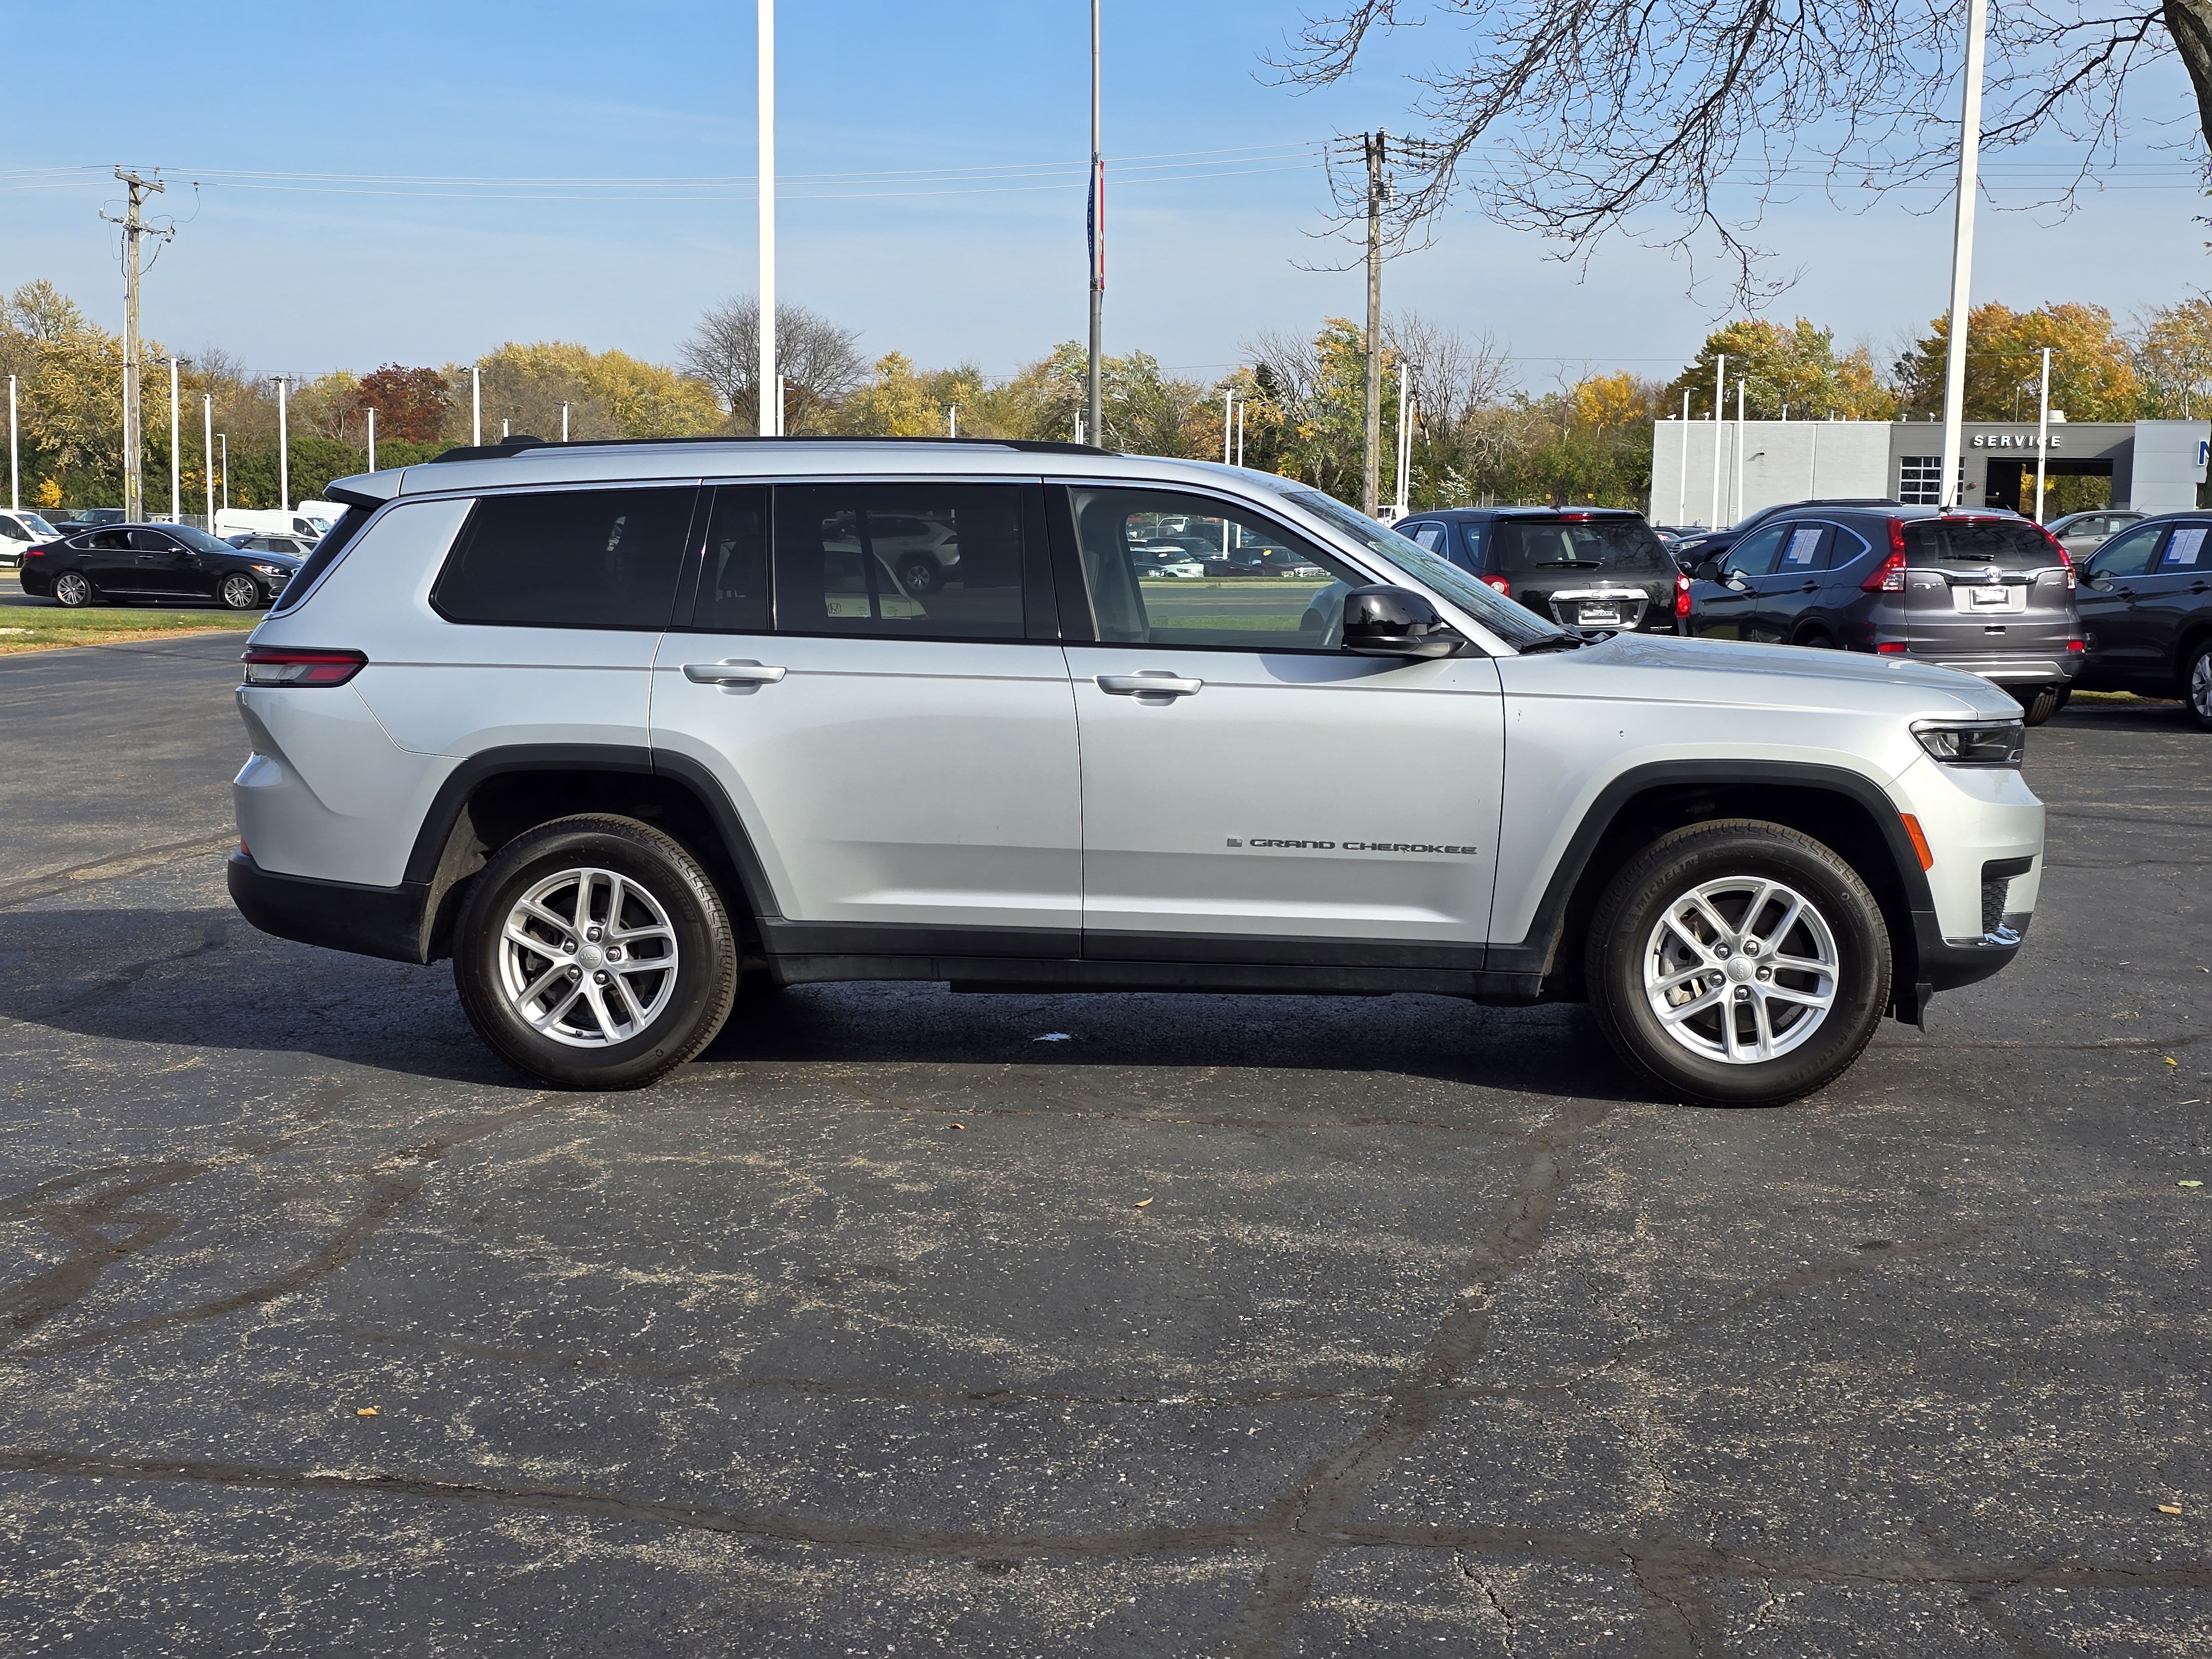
pixel 1438 1333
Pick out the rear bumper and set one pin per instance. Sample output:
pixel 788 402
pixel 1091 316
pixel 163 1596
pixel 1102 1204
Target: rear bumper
pixel 2005 669
pixel 370 921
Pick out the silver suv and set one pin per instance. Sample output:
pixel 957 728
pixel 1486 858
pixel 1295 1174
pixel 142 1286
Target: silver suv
pixel 624 729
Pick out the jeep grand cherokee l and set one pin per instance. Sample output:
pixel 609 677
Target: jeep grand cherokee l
pixel 620 728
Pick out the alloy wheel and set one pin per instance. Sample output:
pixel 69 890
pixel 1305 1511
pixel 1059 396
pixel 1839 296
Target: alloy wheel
pixel 2200 685
pixel 1741 971
pixel 240 592
pixel 588 957
pixel 71 589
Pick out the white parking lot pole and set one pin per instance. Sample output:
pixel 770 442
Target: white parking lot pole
pixel 1682 493
pixel 770 385
pixel 225 438
pixel 176 477
pixel 476 406
pixel 207 452
pixel 1962 253
pixel 283 448
pixel 1720 398
pixel 564 421
pixel 15 461
pixel 371 435
pixel 1240 438
pixel 1228 417
pixel 2042 431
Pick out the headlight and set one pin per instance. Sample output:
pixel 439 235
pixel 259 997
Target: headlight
pixel 1978 742
pixel 272 569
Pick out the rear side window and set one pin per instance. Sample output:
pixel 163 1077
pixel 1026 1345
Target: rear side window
pixel 566 558
pixel 1581 544
pixel 918 560
pixel 1805 549
pixel 2007 544
pixel 2185 550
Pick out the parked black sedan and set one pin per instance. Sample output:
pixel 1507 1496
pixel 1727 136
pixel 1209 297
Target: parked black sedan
pixel 2146 601
pixel 152 562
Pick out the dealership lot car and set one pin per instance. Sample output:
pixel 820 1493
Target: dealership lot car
pixel 2082 533
pixel 1600 569
pixel 609 735
pixel 2146 602
pixel 144 562
pixel 1989 593
pixel 20 531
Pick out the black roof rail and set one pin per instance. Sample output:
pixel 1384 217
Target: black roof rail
pixel 521 443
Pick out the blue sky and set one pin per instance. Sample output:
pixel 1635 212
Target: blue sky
pixel 387 259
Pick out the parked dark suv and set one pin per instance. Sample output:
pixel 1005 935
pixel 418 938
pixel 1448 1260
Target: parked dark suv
pixel 1694 547
pixel 2146 601
pixel 1990 594
pixel 1596 567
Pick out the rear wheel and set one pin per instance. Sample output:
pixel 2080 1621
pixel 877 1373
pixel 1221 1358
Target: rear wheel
pixel 2038 703
pixel 1738 963
pixel 594 953
pixel 918 575
pixel 2196 686
pixel 1817 640
pixel 72 588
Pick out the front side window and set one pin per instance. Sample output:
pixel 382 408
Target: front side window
pixel 1271 592
pixel 2127 555
pixel 151 541
pixel 568 558
pixel 1757 554
pixel 913 560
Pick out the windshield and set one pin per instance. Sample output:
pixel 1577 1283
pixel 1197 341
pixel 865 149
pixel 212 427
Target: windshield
pixel 1516 624
pixel 37 525
pixel 1520 544
pixel 199 540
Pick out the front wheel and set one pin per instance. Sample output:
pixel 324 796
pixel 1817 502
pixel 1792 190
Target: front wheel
pixel 1738 963
pixel 594 953
pixel 239 593
pixel 72 588
pixel 2196 687
pixel 920 575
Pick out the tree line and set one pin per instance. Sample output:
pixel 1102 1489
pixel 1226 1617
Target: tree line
pixel 1481 433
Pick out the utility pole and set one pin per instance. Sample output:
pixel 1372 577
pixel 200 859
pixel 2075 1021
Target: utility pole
pixel 207 453
pixel 1962 254
pixel 1720 400
pixel 283 448
pixel 134 230
pixel 2042 431
pixel 770 395
pixel 1093 393
pixel 1369 483
pixel 176 476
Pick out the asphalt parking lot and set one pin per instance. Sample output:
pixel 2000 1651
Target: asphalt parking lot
pixel 908 1322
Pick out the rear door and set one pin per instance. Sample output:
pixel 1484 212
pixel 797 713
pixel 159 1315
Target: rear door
pixel 1253 794
pixel 108 558
pixel 2178 592
pixel 904 761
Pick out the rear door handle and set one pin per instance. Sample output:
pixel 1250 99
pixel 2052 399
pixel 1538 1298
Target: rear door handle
pixel 1150 683
pixel 732 675
pixel 1810 587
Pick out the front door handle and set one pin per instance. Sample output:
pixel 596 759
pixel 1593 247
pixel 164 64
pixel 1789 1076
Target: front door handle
pixel 732 675
pixel 1150 683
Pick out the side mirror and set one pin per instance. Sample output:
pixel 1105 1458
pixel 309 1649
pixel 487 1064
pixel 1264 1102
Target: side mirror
pixel 1708 570
pixel 1396 622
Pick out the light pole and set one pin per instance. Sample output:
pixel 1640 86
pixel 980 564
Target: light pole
pixel 476 407
pixel 564 420
pixel 176 484
pixel 1720 401
pixel 2042 430
pixel 15 459
pixel 372 439
pixel 283 448
pixel 1739 503
pixel 207 453
pixel 225 437
pixel 952 420
pixel 771 389
pixel 1228 421
pixel 1093 402
pixel 1962 255
pixel 1682 494
pixel 1404 442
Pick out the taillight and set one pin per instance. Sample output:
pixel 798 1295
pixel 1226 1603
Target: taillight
pixel 2065 559
pixel 274 664
pixel 1681 596
pixel 1888 576
pixel 2078 644
pixel 36 552
pixel 1893 648
pixel 1500 584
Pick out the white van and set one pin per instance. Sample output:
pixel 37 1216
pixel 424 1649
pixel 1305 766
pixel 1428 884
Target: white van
pixel 302 520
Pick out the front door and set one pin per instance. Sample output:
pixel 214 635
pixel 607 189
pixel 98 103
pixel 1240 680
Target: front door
pixel 1726 608
pixel 2122 641
pixel 1250 792
pixel 904 761
pixel 1784 598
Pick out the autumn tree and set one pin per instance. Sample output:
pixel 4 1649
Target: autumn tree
pixel 2173 358
pixel 411 403
pixel 2092 371
pixel 1796 368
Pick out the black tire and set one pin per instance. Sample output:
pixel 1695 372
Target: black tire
pixel 1815 639
pixel 676 1027
pixel 2038 703
pixel 73 589
pixel 1664 874
pixel 920 575
pixel 239 591
pixel 2196 684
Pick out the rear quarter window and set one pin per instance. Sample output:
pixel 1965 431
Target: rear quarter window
pixel 568 558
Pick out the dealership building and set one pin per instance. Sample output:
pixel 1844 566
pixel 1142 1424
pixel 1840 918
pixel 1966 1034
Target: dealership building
pixel 1707 472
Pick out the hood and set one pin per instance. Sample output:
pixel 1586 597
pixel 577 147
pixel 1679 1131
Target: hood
pixel 1775 675
pixel 291 561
